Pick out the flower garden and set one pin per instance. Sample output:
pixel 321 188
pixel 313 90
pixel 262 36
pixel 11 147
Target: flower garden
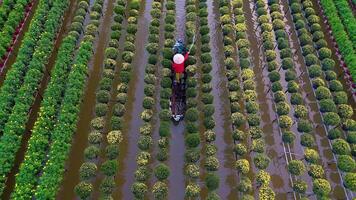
pixel 86 90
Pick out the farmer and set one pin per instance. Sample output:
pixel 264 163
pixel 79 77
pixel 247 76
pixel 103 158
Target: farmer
pixel 178 64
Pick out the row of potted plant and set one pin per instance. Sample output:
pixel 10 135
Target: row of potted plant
pixel 61 139
pixel 191 135
pixel 210 161
pixel 145 143
pixel 11 24
pixel 15 76
pixel 18 115
pixel 162 171
pixel 300 111
pixel 282 108
pixel 252 139
pixel 26 179
pixel 346 41
pixel 331 98
pixel 89 169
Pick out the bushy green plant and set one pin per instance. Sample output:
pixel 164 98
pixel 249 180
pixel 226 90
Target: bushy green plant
pixel 83 189
pixel 341 147
pixel 321 187
pixel 161 172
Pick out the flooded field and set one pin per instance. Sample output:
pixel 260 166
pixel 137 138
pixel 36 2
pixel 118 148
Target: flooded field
pixel 268 112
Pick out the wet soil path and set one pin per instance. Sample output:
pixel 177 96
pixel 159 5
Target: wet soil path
pixel 76 158
pixel 277 168
pixel 132 120
pixel 176 162
pixel 33 114
pixel 222 115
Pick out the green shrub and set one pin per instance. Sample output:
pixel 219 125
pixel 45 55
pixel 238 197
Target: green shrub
pixel 211 163
pixel 316 171
pixel 139 190
pixel 112 151
pixel 245 185
pixel 341 147
pixel 300 186
pixel 263 178
pixel 304 126
pixel 296 167
pixel 331 119
pixel 161 172
pixel 87 170
pixel 212 181
pixel 321 187
pixel 288 137
pixel 311 155
pixel 240 149
pixel 83 189
pixel 261 161
pixel 307 140
pixel 327 105
pixel 346 163
pixel 109 167
pixel 350 181
pixel 91 152
pixel 192 140
pixel 322 93
pixel 282 108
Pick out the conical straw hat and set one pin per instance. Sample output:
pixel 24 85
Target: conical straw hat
pixel 178 58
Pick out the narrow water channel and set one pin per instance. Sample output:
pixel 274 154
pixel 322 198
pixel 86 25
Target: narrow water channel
pixel 132 119
pixel 76 158
pixel 222 115
pixel 10 183
pixel 176 162
pixel 275 151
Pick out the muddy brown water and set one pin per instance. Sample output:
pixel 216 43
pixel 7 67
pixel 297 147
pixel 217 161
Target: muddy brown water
pixel 222 115
pixel 314 115
pixel 132 119
pixel 12 57
pixel 10 183
pixel 279 175
pixel 71 176
pixel 176 179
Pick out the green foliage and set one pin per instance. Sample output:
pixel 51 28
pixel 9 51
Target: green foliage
pixel 161 172
pixel 296 167
pixel 212 181
pixel 321 187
